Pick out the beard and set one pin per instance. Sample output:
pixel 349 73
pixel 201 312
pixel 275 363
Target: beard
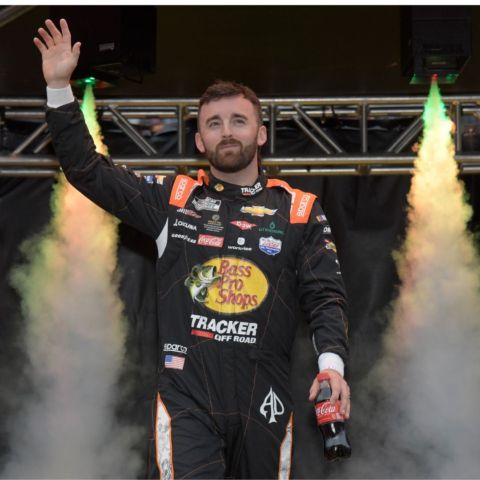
pixel 231 160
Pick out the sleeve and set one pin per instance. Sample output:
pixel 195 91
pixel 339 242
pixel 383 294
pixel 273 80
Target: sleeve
pixel 56 97
pixel 321 290
pixel 116 189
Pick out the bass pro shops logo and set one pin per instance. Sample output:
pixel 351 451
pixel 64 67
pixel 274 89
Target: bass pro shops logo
pixel 228 285
pixel 272 406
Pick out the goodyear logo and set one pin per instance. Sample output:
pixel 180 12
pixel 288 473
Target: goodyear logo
pixel 228 285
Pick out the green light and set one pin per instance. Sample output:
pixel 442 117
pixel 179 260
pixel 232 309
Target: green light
pixel 443 78
pixel 83 82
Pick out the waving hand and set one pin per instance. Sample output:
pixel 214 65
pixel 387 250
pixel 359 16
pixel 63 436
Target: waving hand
pixel 59 59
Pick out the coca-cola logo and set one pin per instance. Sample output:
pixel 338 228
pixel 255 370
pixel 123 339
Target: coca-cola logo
pixel 327 412
pixel 326 408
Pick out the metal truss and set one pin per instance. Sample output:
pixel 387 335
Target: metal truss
pixel 308 114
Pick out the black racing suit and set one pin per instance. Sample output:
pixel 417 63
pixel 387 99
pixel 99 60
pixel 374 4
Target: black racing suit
pixel 232 263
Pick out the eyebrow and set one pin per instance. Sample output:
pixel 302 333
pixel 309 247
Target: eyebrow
pixel 217 117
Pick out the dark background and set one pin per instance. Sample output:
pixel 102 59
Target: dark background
pixel 278 51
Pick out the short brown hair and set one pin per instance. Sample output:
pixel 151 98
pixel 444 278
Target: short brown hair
pixel 222 89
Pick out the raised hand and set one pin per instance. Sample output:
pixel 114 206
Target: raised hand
pixel 59 59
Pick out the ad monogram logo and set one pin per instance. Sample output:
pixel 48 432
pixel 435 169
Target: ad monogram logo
pixel 272 406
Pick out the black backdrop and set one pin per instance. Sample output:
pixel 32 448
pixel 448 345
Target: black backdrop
pixel 368 218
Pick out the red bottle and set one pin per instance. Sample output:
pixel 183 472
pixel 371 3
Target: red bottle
pixel 331 422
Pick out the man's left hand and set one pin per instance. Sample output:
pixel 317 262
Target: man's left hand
pixel 340 391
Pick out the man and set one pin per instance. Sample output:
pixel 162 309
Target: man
pixel 235 251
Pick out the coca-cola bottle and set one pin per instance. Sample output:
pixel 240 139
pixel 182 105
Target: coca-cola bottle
pixel 331 422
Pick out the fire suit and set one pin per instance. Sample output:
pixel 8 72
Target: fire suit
pixel 232 263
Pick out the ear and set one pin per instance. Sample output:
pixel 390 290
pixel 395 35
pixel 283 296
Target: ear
pixel 199 142
pixel 262 136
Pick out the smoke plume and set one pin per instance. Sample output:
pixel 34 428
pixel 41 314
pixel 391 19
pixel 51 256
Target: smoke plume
pixel 74 341
pixel 419 405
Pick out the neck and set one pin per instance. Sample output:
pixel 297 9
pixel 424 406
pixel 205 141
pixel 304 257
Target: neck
pixel 245 177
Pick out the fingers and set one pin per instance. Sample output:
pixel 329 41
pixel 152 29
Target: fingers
pixel 46 37
pixel 345 400
pixel 53 36
pixel 314 389
pixel 76 49
pixel 39 44
pixel 65 30
pixel 54 32
pixel 340 392
pixel 347 409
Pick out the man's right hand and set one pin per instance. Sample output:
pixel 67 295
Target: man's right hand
pixel 59 59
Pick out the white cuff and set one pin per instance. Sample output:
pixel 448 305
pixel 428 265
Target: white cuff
pixel 331 360
pixel 56 97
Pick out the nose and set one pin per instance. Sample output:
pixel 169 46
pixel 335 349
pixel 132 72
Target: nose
pixel 226 130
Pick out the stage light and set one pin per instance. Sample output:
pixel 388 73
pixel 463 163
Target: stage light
pixel 435 40
pixel 94 82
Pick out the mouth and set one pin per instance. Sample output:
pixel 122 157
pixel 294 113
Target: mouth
pixel 229 145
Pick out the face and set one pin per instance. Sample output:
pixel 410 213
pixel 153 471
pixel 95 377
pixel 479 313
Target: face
pixel 229 134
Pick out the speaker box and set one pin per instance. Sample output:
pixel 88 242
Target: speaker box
pixel 435 40
pixel 116 41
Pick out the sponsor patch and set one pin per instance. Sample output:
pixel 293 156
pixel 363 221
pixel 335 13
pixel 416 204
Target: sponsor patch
pixel 210 240
pixel 243 225
pixel 179 223
pixel 183 237
pixel 223 330
pixel 272 407
pixel 173 347
pixel 303 204
pixel 321 218
pixel 240 245
pixel 271 229
pixel 270 245
pixel 206 203
pixel 327 229
pixel 182 185
pixel 189 212
pixel 237 248
pixel 329 245
pixel 228 285
pixel 249 191
pixel 258 210
pixel 214 224
pixel 173 361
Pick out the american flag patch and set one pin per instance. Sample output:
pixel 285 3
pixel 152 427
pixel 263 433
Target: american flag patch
pixel 172 361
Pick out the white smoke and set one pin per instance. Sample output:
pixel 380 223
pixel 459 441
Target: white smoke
pixel 74 340
pixel 419 405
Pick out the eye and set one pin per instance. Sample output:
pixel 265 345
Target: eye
pixel 213 124
pixel 239 121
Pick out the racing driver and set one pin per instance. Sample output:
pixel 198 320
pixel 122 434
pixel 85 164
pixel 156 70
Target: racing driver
pixel 236 251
